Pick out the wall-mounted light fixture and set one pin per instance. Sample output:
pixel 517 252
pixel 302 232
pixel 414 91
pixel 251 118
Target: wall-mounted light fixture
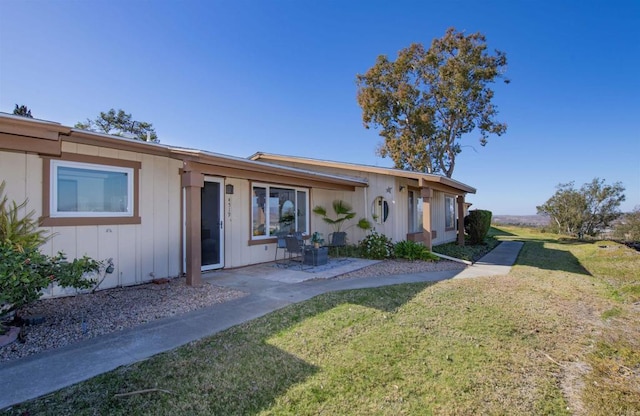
pixel 401 188
pixel 229 189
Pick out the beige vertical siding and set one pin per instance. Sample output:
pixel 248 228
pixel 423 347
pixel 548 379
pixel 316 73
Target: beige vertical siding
pixel 438 214
pixel 15 171
pixel 139 251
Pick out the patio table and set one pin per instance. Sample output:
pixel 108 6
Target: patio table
pixel 315 256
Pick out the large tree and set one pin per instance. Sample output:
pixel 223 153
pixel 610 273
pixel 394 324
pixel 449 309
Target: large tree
pixel 586 210
pixel 426 100
pixel 120 123
pixel 22 110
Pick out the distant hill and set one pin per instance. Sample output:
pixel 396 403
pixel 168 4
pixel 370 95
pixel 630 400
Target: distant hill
pixel 531 220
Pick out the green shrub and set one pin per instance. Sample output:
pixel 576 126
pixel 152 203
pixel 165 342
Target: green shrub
pixel 477 225
pixel 411 250
pixel 25 272
pixel 376 246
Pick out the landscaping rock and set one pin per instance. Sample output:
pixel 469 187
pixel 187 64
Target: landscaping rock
pixel 10 336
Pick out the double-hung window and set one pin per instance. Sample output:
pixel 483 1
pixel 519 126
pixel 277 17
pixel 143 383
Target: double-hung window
pixel 278 209
pixel 449 212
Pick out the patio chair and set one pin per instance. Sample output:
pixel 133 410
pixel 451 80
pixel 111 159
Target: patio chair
pixel 299 236
pixel 281 243
pixel 295 247
pixel 337 240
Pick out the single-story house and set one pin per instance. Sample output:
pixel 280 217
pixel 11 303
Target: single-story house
pixel 399 203
pixel 162 211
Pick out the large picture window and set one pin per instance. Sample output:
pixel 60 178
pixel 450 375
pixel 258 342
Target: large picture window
pixel 89 190
pixel 275 209
pixel 449 212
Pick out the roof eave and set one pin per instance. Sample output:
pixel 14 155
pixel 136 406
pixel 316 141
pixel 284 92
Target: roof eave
pixel 452 183
pixel 266 167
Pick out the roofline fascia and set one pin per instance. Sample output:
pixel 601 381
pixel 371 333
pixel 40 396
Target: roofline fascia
pixel 42 129
pixel 266 167
pixel 368 168
pixel 115 142
pixel 33 127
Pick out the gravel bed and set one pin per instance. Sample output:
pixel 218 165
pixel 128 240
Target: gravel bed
pixel 75 318
pixel 388 267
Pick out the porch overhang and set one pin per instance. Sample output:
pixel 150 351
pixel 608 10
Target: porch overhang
pixel 222 165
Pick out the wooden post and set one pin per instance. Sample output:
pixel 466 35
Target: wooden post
pixel 461 220
pixel 426 194
pixel 193 182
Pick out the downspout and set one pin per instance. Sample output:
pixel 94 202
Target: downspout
pixel 366 211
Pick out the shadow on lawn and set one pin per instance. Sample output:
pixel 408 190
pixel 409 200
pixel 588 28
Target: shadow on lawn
pixel 498 232
pixel 237 371
pixel 265 371
pixel 535 254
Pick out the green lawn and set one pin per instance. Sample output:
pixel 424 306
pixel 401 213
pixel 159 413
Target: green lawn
pixel 559 335
pixel 469 252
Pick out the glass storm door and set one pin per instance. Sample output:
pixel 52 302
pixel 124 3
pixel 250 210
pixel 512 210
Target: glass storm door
pixel 212 224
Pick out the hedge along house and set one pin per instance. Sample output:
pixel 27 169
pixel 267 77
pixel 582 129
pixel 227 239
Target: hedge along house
pixel 156 210
pixel 401 204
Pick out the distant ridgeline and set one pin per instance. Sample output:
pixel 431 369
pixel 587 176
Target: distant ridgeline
pixel 529 220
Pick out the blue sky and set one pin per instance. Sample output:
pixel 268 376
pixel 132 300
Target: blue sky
pixel 236 77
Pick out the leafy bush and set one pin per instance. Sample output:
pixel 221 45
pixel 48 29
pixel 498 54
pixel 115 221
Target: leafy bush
pixel 25 272
pixel 376 246
pixel 411 250
pixel 477 225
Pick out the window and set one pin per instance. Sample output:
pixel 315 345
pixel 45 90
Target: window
pixel 449 212
pixel 82 190
pixel 275 209
pixel 90 190
pixel 380 210
pixel 415 212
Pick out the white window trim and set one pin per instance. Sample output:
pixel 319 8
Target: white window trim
pixel 267 186
pixel 53 207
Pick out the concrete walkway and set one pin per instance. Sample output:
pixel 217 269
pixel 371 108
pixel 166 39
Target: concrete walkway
pixel 34 376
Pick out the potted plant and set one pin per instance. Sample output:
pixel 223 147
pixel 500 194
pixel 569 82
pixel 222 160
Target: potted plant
pixel 316 239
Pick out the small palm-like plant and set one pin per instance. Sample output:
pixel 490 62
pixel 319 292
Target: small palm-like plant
pixel 344 212
pixel 21 232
